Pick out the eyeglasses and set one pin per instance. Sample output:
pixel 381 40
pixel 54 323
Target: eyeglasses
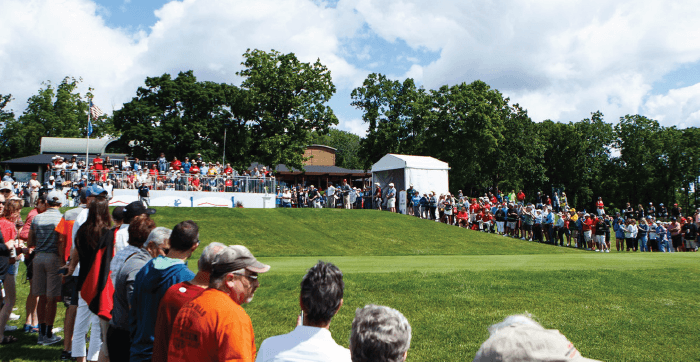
pixel 251 277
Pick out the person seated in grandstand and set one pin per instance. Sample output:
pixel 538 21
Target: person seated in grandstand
pixel 194 169
pixel 320 299
pixel 379 334
pixel 519 338
pixel 487 221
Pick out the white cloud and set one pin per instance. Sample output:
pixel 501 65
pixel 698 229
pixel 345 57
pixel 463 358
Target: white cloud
pixel 559 60
pixel 354 125
pixel 678 107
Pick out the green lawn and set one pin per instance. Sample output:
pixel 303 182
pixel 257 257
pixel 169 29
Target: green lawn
pixel 452 283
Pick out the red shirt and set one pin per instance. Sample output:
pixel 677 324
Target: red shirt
pixel 587 224
pixel 599 203
pixel 521 196
pixel 176 165
pixel 195 182
pixel 152 172
pixel 229 182
pixel 228 170
pixel 494 199
pixel 98 163
pixel 173 299
pixel 194 169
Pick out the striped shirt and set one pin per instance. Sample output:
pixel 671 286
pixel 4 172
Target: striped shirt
pixel 44 229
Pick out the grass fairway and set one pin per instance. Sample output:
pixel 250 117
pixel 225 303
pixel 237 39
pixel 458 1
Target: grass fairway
pixel 452 283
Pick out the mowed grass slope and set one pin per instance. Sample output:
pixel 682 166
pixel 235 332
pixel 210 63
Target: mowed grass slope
pixel 311 232
pixel 452 283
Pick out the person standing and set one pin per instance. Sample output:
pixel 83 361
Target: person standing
pixel 379 334
pixel 320 300
pixel 377 196
pixel 314 198
pixel 214 326
pixel 145 243
pixel 34 186
pixel 46 281
pixel 600 206
pixel 330 196
pixel 177 296
pixel 346 194
pixel 151 283
pixel 391 198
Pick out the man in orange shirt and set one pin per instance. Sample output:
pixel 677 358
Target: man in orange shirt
pixel 214 326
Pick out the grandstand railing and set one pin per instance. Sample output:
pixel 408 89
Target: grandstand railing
pixel 167 181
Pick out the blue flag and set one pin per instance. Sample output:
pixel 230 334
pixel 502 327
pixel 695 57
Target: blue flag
pixel 89 128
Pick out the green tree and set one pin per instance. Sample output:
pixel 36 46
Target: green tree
pixel 53 112
pixel 173 116
pixel 284 100
pixel 466 131
pixel 396 114
pixel 347 147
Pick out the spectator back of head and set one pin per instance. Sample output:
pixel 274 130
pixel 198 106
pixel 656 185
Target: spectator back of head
pixel 139 230
pixel 379 334
pixel 519 338
pixel 185 235
pixel 208 255
pixel 321 293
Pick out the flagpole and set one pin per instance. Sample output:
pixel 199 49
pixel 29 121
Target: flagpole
pixel 87 144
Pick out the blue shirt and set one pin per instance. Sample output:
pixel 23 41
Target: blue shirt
pixel 186 166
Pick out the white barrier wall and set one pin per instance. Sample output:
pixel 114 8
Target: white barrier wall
pixel 196 199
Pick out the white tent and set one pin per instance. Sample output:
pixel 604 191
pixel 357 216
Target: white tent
pixel 424 173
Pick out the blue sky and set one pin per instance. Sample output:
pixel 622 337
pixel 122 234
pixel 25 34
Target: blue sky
pixel 559 60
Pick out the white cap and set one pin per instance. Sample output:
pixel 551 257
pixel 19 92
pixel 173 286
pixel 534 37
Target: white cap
pixel 528 342
pixel 51 178
pixel 391 184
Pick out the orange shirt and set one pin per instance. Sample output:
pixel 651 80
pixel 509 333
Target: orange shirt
pixel 177 296
pixel 65 228
pixel 212 327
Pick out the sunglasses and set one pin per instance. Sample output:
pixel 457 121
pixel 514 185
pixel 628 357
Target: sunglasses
pixel 251 277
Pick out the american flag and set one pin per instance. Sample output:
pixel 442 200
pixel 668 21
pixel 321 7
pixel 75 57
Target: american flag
pixel 95 111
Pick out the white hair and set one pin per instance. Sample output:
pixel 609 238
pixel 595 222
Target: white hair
pixel 512 320
pixel 158 236
pixel 379 334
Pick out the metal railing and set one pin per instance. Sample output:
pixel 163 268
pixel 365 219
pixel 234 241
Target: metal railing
pixel 165 181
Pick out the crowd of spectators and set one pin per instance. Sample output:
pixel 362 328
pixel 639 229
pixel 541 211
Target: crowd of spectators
pixel 126 281
pixel 555 222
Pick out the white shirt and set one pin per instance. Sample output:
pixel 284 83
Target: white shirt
pixel 108 187
pixel 122 239
pixel 79 221
pixel 302 344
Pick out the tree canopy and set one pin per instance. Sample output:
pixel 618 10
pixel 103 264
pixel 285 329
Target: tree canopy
pixel 268 119
pixel 53 112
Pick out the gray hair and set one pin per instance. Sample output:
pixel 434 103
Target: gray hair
pixel 379 334
pixel 208 254
pixel 513 320
pixel 158 236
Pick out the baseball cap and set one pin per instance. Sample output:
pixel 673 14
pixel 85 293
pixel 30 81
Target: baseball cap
pixel 94 190
pixel 8 171
pixel 391 184
pixel 51 178
pixel 137 208
pixel 33 173
pixel 528 342
pixel 235 257
pixel 55 197
pixel 5 185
